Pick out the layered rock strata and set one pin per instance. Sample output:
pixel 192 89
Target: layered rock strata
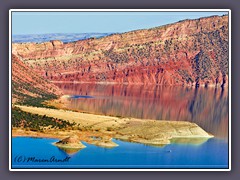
pixel 189 53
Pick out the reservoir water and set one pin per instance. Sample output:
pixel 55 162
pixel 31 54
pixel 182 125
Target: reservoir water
pixel 211 154
pixel 208 107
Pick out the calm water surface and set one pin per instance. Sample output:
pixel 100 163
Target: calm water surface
pixel 211 154
pixel 206 107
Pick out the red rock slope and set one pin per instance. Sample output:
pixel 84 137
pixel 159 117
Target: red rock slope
pixel 190 53
pixel 27 86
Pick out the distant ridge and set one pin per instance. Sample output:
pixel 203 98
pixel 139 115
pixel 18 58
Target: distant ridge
pixel 64 37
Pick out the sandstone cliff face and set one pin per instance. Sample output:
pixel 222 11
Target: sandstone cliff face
pixel 28 86
pixel 190 53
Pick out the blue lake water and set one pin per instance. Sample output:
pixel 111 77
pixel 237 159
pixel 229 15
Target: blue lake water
pixel 79 96
pixel 206 107
pixel 211 154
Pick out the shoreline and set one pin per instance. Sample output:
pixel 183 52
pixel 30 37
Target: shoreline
pixel 99 129
pixel 177 140
pixel 142 84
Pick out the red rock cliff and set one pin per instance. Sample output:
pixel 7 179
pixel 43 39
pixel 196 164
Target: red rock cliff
pixel 26 84
pixel 190 53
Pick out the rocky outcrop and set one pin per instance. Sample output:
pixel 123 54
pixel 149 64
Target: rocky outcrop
pixel 71 142
pixel 27 85
pixel 161 132
pixel 189 53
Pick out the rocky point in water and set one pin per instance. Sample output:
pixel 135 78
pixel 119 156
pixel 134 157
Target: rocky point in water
pixel 70 144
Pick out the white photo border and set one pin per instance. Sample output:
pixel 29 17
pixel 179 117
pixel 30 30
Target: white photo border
pixel 116 10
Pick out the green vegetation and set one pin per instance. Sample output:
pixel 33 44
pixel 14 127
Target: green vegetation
pixel 38 102
pixel 29 100
pixel 116 57
pixel 36 122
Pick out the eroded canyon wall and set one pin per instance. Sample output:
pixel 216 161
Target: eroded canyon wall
pixel 29 87
pixel 190 53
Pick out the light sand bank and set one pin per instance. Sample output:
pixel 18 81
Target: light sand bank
pixel 105 128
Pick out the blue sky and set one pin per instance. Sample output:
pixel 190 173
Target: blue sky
pixel 102 22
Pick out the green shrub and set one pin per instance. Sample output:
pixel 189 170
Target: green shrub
pixel 36 122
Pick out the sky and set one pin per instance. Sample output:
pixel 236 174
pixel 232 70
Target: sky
pixel 101 22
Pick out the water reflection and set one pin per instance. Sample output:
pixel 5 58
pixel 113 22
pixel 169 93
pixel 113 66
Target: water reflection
pixel 206 107
pixel 69 151
pixel 191 141
pixel 211 154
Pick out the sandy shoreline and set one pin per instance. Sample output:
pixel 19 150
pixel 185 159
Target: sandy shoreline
pixel 99 130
